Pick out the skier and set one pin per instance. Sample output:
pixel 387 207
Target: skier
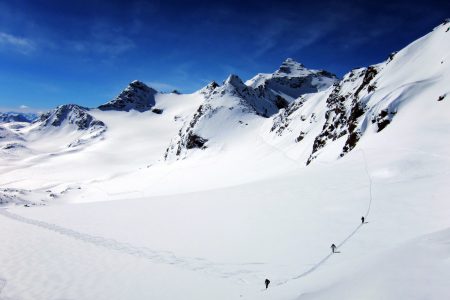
pixel 362 219
pixel 333 248
pixel 267 281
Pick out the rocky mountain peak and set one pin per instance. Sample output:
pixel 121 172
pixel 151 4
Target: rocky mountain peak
pixel 212 85
pixel 209 89
pixel 290 66
pixel 136 96
pixel 73 118
pixel 137 84
pixel 291 81
pixel 234 80
pixel 71 114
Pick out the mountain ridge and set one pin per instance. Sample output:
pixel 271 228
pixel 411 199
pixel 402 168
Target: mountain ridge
pixel 304 108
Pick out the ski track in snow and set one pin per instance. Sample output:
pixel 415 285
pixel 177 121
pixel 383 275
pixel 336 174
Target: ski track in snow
pixel 3 283
pixel 167 257
pixel 339 245
pixel 2 286
pixel 155 256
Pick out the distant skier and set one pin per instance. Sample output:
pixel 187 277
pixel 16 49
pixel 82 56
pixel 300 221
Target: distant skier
pixel 267 281
pixel 362 220
pixel 333 248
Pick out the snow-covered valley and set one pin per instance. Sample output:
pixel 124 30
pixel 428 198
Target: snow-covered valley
pixel 205 195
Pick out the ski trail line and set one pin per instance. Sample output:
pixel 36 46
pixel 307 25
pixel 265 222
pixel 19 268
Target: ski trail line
pixel 2 286
pixel 154 256
pixel 370 183
pixel 324 259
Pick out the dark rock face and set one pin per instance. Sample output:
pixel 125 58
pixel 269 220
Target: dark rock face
pixel 280 102
pixel 336 121
pixel 383 119
pixel 369 74
pixel 137 96
pixel 157 111
pixel 195 141
pixel 283 119
pixel 344 111
pixel 300 137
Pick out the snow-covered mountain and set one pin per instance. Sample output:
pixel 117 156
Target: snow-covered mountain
pixel 70 114
pixel 291 81
pixel 224 106
pixel 8 117
pixel 69 118
pixel 367 100
pixel 235 183
pixel 305 114
pixel 234 103
pixel 54 132
pixel 136 96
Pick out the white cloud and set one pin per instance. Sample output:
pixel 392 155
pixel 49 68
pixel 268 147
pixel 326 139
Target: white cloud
pixel 103 39
pixel 16 43
pixel 23 109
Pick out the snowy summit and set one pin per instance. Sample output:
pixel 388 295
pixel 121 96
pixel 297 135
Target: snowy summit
pixel 292 79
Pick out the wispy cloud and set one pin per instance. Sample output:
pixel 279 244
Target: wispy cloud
pixel 107 46
pixel 283 33
pixel 106 40
pixel 16 43
pixel 271 36
pixel 23 109
pixel 161 86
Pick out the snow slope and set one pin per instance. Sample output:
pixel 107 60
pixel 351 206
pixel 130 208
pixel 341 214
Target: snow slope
pixel 247 197
pixel 237 236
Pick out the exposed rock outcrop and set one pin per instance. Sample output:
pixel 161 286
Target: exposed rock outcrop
pixel 137 96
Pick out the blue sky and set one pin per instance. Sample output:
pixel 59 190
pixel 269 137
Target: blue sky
pixel 86 52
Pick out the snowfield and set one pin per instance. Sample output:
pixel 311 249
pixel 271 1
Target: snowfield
pixel 204 196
